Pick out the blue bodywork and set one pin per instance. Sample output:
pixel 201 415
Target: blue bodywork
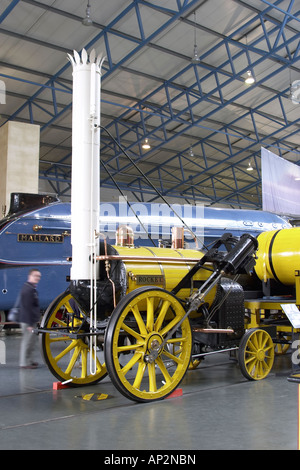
pixel 40 237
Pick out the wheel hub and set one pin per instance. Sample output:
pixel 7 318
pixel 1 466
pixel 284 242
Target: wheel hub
pixel 153 349
pixel 261 355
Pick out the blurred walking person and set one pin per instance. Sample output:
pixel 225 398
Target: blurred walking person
pixel 29 316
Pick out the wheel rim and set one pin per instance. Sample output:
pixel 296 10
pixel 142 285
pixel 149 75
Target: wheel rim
pixel 68 358
pixel 141 325
pixel 258 355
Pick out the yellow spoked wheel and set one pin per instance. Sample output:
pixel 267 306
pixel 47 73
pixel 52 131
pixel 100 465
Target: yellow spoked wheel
pixel 68 356
pixel 142 363
pixel 256 354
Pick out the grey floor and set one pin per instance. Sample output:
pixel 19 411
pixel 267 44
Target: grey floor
pixel 219 409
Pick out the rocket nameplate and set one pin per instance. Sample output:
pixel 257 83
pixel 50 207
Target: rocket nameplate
pixel 148 279
pixel 40 238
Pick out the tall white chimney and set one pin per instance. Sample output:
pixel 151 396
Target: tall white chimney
pixel 85 193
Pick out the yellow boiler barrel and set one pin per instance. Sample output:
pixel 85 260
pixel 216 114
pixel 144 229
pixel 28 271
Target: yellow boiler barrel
pixel 278 255
pixel 161 267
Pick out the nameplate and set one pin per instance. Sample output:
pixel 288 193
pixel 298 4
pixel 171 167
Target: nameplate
pixel 40 238
pixel 151 280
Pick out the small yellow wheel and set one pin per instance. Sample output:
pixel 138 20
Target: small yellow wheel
pixel 69 358
pixel 143 364
pixel 256 354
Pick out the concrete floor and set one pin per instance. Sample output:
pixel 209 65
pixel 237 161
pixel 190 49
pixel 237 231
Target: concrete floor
pixel 219 409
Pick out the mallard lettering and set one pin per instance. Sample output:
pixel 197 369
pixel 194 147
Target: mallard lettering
pixel 40 238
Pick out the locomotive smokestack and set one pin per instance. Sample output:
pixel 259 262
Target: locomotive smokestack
pixel 85 193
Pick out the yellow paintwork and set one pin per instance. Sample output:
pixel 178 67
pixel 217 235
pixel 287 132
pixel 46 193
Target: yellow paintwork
pixel 173 272
pixel 278 255
pixel 257 310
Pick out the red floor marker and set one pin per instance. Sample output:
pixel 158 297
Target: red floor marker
pixel 176 393
pixel 59 385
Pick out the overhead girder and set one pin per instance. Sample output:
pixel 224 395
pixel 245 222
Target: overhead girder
pixel 268 141
pixel 272 44
pixel 282 121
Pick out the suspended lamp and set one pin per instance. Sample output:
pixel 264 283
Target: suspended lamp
pixel 87 21
pixel 249 79
pixel 195 58
pixel 146 145
pixel 295 92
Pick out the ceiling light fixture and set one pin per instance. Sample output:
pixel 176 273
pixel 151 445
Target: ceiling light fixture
pixel 195 58
pixel 146 145
pixel 87 21
pixel 295 92
pixel 249 79
pixel 249 167
pixel 191 153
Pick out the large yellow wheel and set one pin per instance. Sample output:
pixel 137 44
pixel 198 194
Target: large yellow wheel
pixel 256 354
pixel 138 327
pixel 69 358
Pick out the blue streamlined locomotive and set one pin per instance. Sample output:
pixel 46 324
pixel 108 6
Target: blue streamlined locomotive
pixel 37 233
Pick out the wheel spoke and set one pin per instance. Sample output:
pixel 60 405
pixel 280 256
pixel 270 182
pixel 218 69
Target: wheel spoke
pixel 169 327
pixel 136 357
pixel 128 347
pixel 164 370
pixel 139 320
pixel 252 347
pixel 174 358
pixel 132 332
pixel 140 374
pixel 73 360
pixel 69 348
pixel 161 315
pixel 150 314
pixel 251 364
pixel 57 339
pixel 152 377
pixel 84 362
pixel 61 323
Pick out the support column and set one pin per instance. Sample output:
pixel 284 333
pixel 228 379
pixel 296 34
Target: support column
pixel 19 160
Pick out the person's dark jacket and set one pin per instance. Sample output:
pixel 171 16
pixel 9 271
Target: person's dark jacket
pixel 29 304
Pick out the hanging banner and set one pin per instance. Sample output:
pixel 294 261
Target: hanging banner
pixel 280 184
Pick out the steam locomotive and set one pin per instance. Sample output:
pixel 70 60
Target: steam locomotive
pixel 144 314
pixel 159 311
